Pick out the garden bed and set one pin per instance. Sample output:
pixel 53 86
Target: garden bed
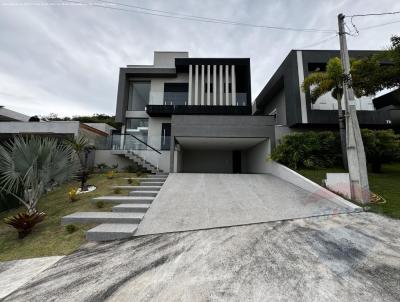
pixel 50 238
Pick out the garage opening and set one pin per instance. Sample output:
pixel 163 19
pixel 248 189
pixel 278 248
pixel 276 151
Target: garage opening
pixel 215 155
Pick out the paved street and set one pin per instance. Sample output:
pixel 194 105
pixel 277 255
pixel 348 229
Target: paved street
pixel 346 257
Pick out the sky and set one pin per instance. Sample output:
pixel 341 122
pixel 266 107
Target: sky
pixel 64 58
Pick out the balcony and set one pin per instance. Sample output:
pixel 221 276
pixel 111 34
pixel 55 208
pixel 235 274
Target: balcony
pixel 168 103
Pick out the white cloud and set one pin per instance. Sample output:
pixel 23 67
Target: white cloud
pixel 66 59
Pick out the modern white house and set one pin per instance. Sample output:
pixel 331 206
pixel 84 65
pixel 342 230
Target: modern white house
pixel 185 114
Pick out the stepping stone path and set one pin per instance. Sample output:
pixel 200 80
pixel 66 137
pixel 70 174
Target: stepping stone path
pixel 125 217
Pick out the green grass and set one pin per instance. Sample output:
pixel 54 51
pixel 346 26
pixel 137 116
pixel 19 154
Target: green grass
pixel 49 238
pixel 386 184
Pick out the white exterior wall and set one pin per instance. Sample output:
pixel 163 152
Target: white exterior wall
pixel 256 158
pixel 107 157
pixel 157 87
pixel 154 134
pixel 327 102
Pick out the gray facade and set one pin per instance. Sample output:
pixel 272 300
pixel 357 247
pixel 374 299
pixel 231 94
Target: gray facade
pixel 282 96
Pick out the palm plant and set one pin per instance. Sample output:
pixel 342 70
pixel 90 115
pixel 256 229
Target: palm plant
pixel 31 166
pixel 321 82
pixel 82 149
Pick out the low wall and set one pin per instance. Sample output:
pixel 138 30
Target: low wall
pixel 107 157
pixel 295 178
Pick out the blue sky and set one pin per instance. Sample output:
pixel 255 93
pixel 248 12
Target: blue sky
pixel 65 59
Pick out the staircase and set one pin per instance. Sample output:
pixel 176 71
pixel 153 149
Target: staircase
pixel 126 215
pixel 141 162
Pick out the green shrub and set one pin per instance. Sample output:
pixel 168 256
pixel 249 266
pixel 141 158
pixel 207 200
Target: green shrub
pixel 308 150
pixel 100 204
pixel 70 228
pixel 381 146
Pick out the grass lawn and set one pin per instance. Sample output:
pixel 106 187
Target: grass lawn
pixel 386 184
pixel 49 238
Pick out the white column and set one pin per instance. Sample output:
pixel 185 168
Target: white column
pixel 233 81
pixel 221 85
pixel 202 86
pixel 208 84
pixel 122 137
pixel 196 85
pixel 227 100
pixel 190 85
pixel 214 85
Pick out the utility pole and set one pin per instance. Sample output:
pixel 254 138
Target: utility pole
pixel 354 145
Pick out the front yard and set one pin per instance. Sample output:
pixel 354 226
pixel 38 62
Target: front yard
pixel 50 238
pixel 386 184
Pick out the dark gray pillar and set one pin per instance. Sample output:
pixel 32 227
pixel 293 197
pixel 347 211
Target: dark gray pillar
pixel 171 155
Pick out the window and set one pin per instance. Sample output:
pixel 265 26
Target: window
pixel 176 93
pixel 134 123
pixel 139 95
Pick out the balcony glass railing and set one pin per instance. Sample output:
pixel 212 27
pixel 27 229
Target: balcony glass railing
pixel 181 98
pixel 129 142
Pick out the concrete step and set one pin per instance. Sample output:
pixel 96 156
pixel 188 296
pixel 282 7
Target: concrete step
pixel 102 217
pixel 124 199
pixel 111 231
pixel 131 208
pixel 163 176
pixel 151 183
pixel 145 179
pixel 146 188
pixel 143 193
pixel 138 188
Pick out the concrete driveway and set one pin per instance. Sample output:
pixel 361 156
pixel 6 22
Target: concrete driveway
pixel 346 257
pixel 195 201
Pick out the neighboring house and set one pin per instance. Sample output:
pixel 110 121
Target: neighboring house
pixel 7 115
pixel 186 114
pixel 57 129
pixel 283 97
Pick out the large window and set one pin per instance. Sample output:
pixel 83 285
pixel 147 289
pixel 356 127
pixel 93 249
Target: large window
pixel 139 95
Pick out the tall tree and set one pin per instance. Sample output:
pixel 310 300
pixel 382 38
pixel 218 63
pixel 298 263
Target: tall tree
pixel 330 81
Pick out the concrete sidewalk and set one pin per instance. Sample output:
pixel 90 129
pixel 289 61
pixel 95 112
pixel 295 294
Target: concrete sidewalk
pixel 194 201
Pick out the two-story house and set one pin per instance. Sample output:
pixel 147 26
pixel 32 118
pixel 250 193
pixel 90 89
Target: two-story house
pixel 185 114
pixel 284 98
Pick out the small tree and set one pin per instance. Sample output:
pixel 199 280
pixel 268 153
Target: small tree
pixel 30 166
pixel 381 146
pixel 377 72
pixel 321 82
pixel 82 149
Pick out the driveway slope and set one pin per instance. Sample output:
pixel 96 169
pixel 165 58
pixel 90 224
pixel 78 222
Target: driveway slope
pixel 195 201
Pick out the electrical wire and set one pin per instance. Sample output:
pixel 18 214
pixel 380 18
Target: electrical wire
pixel 173 15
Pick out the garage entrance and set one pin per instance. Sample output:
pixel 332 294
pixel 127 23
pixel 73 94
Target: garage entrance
pixel 214 155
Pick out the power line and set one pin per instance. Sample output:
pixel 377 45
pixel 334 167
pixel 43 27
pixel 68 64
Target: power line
pixel 368 15
pixel 373 14
pixel 168 14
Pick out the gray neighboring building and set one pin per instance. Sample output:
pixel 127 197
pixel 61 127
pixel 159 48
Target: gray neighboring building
pixel 7 115
pixel 283 98
pixel 185 114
